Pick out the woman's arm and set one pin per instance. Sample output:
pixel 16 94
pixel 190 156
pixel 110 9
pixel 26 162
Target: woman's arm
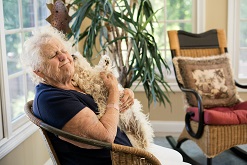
pixel 85 123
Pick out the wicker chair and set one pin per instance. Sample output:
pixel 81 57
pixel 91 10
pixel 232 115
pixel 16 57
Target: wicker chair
pixel 120 155
pixel 212 139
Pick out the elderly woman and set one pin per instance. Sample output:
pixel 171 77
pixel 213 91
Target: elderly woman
pixel 47 56
pixel 60 104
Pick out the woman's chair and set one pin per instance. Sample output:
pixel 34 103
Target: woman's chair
pixel 121 155
pixel 216 119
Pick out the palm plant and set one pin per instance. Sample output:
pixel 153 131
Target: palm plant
pixel 125 31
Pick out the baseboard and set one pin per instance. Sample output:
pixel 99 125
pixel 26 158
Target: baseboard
pixel 48 162
pixel 164 128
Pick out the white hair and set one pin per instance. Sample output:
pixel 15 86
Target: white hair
pixel 32 56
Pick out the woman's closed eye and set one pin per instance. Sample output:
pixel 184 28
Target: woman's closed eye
pixel 57 53
pixel 64 51
pixel 53 55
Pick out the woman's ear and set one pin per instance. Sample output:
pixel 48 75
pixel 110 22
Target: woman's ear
pixel 39 73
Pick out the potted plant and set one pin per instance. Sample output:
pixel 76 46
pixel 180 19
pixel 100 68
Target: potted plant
pixel 125 32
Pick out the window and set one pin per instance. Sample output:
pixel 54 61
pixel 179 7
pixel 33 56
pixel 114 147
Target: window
pixel 237 34
pixel 176 15
pixel 20 17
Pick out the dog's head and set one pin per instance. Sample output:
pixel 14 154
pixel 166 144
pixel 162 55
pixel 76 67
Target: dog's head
pixel 80 61
pixel 105 63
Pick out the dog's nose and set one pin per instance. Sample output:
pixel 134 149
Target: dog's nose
pixel 74 57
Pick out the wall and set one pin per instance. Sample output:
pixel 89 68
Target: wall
pixel 33 151
pixel 174 113
pixel 216 14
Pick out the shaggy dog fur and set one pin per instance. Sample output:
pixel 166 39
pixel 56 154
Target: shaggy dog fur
pixel 133 121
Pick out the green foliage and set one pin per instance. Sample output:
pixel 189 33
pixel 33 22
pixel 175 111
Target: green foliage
pixel 121 26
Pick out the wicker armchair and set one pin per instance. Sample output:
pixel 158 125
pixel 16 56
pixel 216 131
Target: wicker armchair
pixel 211 138
pixel 121 155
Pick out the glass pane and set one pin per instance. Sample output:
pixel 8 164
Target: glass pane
pixel 166 55
pixel 243 7
pixel 179 9
pixel 243 34
pixel 179 26
pixel 28 13
pixel 17 97
pixel 43 12
pixel 159 34
pixel 168 58
pixel 11 14
pixel 242 64
pixel 13 50
pixel 27 35
pixel 158 6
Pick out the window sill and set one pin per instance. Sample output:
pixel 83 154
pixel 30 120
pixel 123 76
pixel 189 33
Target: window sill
pixel 21 134
pixel 140 88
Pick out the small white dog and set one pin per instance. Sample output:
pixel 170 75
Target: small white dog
pixel 133 121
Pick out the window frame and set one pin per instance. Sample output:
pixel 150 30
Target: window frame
pixel 233 35
pixel 233 40
pixel 13 132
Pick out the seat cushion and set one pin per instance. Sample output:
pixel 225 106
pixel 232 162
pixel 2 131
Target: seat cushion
pixel 236 114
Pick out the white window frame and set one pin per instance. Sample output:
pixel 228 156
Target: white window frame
pixel 233 39
pixel 1 114
pixel 233 35
pixel 12 133
pixel 200 16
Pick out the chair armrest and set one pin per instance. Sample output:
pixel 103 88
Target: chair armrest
pixel 188 115
pixel 240 85
pixel 119 153
pixel 131 155
pixel 73 137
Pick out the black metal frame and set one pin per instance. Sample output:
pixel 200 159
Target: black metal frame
pixel 188 115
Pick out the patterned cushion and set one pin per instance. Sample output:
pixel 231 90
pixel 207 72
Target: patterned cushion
pixel 210 76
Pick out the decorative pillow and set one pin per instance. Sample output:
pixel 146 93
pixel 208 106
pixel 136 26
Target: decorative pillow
pixel 211 77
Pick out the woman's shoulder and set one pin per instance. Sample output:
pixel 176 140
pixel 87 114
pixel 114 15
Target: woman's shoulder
pixel 45 90
pixel 55 106
pixel 45 87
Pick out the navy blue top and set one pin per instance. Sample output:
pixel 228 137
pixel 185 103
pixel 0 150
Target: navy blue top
pixel 56 107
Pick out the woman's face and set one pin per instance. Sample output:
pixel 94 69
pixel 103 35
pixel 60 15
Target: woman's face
pixel 58 64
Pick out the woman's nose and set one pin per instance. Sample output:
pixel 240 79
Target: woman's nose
pixel 61 56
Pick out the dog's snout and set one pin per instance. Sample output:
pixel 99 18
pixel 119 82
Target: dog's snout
pixel 74 57
pixel 107 62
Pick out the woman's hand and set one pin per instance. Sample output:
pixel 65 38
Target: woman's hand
pixel 110 81
pixel 126 100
